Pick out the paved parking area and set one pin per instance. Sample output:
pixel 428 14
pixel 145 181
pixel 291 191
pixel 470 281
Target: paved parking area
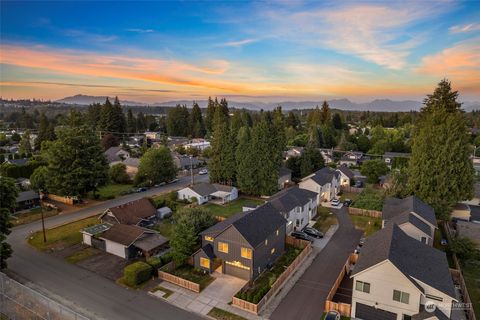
pixel 105 264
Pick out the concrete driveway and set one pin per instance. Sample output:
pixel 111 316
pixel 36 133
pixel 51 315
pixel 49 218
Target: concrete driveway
pixel 223 288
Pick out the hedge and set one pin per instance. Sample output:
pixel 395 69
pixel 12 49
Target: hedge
pixel 155 262
pixel 137 273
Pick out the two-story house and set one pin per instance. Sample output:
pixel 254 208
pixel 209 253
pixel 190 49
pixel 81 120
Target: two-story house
pixel 243 245
pixel 296 205
pixel 413 216
pixel 325 182
pixel 346 175
pixel 140 212
pixel 396 276
pixel 351 158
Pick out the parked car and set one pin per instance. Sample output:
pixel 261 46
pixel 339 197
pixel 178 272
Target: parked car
pixel 335 202
pixel 312 232
pixel 443 242
pixel 332 315
pixel 301 235
pixel 362 242
pixel 358 184
pixel 203 171
pixel 347 202
pixel 143 189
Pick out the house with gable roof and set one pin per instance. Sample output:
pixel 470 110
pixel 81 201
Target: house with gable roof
pixel 325 182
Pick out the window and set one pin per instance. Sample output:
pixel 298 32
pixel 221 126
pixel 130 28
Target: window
pixel 429 296
pixel 362 286
pixel 278 232
pixel 407 317
pixel 272 251
pixel 223 247
pixel 204 263
pixel 246 253
pixel 400 296
pixel 266 241
pixel 208 238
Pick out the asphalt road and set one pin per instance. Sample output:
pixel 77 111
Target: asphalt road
pixel 306 300
pixel 82 290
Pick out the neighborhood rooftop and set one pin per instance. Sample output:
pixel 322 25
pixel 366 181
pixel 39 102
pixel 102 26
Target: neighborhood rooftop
pixel 416 260
pixel 291 198
pixel 408 217
pixel 206 189
pixel 133 212
pixel 124 234
pixel 324 175
pixel 393 207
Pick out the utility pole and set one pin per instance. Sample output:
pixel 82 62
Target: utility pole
pixel 43 227
pixel 191 169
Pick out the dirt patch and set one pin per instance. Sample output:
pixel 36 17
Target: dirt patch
pixel 59 249
pixel 106 265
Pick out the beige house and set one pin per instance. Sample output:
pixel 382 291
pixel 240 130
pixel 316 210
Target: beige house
pixel 325 182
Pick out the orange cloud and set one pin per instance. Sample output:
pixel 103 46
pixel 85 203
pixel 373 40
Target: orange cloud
pixel 460 64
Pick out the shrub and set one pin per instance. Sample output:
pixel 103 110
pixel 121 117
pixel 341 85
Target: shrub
pixel 118 173
pixel 167 258
pixel 155 262
pixel 137 273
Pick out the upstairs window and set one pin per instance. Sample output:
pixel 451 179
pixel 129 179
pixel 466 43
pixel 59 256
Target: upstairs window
pixel 400 296
pixel 223 247
pixel 362 286
pixel 246 253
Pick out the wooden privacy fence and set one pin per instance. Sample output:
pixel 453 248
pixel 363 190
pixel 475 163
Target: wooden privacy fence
pixel 66 200
pixel 364 212
pixel 297 243
pixel 192 286
pixel 458 278
pixel 344 309
pixel 276 286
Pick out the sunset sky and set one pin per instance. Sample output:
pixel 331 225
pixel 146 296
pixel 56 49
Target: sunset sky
pixel 247 51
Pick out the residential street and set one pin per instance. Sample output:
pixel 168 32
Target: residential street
pixel 82 290
pixel 306 299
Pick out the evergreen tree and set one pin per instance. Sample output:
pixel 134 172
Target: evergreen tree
pixel 292 120
pixel 46 131
pixel 209 115
pixel 311 161
pixel 131 122
pixel 8 196
pixel 246 168
pixel 112 120
pixel 440 170
pixel 76 163
pixel 337 121
pixel 25 146
pixel 197 127
pixel 93 114
pixel 178 121
pixel 141 122
pixel 325 113
pixel 316 137
pixel 119 117
pixel 314 118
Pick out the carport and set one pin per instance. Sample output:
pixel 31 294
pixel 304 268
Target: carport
pixel 151 244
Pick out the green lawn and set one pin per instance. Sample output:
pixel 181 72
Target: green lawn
pixel 369 225
pixel 232 207
pixel 348 195
pixel 325 219
pixel 111 191
pixel 165 227
pixel 82 255
pixel 221 314
pixel 32 215
pixel 439 235
pixel 255 292
pixel 63 236
pixel 167 292
pixel 189 273
pixel 471 274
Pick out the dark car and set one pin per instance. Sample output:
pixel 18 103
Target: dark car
pixel 359 184
pixel 301 235
pixel 332 315
pixel 347 202
pixel 143 189
pixel 312 232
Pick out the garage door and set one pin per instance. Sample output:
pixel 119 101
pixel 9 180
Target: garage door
pixel 235 271
pixel 365 312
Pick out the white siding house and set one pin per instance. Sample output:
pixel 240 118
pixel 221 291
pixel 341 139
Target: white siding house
pixel 205 192
pixel 325 182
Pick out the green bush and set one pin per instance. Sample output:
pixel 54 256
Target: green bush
pixel 137 273
pixel 155 262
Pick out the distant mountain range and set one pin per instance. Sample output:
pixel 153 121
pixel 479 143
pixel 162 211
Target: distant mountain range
pixel 341 104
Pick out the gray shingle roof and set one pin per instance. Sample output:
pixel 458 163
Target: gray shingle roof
pixel 111 154
pixel 324 175
pixel 346 171
pixel 408 217
pixel 291 198
pixel 205 189
pixel 414 259
pixel 27 195
pixel 208 249
pixel 132 162
pixel 284 172
pixel 18 162
pixel 394 206
pixel 222 225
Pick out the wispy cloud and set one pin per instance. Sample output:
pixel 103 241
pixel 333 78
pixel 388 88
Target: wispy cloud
pixel 88 36
pixel 239 43
pixel 139 30
pixel 465 28
pixel 459 63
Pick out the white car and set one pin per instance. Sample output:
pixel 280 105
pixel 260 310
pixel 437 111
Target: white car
pixel 203 171
pixel 335 202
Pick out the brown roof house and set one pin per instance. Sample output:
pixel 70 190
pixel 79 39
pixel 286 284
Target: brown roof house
pixel 139 212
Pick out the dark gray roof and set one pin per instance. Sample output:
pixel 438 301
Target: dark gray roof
pixel 18 162
pixel 291 198
pixel 408 217
pixel 324 175
pixel 413 258
pixel 394 206
pixel 396 155
pixel 284 172
pixel 132 162
pixel 208 249
pixel 204 189
pixel 474 213
pixel 27 195
pixel 255 225
pixel 150 242
pixel 111 154
pixel 346 171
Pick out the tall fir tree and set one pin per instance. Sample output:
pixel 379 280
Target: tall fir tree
pixel 325 113
pixel 197 127
pixel 8 196
pixel 440 170
pixel 131 122
pixel 246 166
pixel 209 116
pixel 94 112
pixel 25 145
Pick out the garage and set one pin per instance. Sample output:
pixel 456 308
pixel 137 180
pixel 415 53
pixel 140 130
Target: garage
pixel 237 269
pixel 362 311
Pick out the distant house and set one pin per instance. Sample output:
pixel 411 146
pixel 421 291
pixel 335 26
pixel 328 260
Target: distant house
pixel 294 152
pixel 184 162
pixel 116 155
pixel 389 157
pixel 244 244
pixel 27 200
pixel 469 230
pixel 205 192
pixel 346 175
pixel 461 211
pixel 125 241
pixel 17 162
pixel 327 155
pixel 413 216
pixel 352 158
pixel 135 141
pixel 131 165
pixel 297 206
pixel 395 276
pixel 150 135
pixel 23 183
pixel 284 177
pixel 174 142
pixel 199 144
pixel 325 182
pixel 139 212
